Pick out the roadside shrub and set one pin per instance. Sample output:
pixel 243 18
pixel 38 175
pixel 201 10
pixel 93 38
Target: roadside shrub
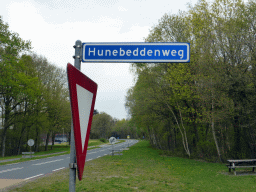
pixel 103 140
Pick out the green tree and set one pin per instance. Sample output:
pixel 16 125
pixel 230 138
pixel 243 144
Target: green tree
pixel 14 83
pixel 211 99
pixel 101 125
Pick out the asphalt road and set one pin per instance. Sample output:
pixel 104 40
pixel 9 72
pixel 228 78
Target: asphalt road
pixel 36 168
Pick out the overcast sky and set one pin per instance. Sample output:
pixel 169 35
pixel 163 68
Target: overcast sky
pixel 53 26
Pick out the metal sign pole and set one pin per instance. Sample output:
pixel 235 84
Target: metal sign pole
pixel 73 165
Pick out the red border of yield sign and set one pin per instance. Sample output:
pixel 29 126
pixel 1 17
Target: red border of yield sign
pixel 77 77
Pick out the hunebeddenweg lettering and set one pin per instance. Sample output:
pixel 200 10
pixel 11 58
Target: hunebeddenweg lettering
pixel 136 52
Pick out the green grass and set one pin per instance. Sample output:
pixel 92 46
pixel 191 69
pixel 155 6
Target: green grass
pixel 56 149
pixel 142 169
pixel 95 142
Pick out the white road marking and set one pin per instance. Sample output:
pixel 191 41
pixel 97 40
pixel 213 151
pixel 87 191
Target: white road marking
pixel 59 169
pixel 33 177
pixel 88 159
pixel 48 162
pixel 11 169
pixel 98 156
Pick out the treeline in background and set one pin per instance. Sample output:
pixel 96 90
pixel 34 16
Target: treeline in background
pixel 34 96
pixel 34 100
pixel 105 126
pixel 205 109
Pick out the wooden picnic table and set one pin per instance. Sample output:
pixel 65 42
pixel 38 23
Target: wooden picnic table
pixel 241 163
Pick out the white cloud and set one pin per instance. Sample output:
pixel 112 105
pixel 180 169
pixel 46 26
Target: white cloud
pixel 120 8
pixel 23 16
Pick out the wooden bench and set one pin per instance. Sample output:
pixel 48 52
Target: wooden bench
pixel 244 163
pixel 25 154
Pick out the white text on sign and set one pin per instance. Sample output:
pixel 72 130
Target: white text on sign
pixel 135 52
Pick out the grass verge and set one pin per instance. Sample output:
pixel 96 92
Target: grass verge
pixel 142 169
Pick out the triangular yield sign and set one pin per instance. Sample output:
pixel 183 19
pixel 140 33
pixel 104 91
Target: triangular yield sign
pixel 82 98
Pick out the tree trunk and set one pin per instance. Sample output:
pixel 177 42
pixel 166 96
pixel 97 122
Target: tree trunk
pixel 175 138
pixel 154 139
pixel 185 135
pixel 149 135
pixel 53 138
pixel 3 142
pixel 184 140
pixel 168 141
pixel 37 141
pixel 169 137
pixel 213 130
pixel 237 143
pixel 216 142
pixel 206 130
pixel 158 144
pixel 47 141
pixel 19 144
pixel 6 124
pixel 227 139
pixel 21 136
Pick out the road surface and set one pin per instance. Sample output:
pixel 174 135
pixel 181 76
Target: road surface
pixel 19 172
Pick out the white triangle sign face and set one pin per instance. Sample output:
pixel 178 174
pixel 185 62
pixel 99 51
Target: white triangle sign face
pixel 84 99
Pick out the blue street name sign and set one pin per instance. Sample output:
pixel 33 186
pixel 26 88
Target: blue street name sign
pixel 136 52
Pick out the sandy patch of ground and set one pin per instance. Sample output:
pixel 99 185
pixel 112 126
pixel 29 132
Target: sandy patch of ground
pixel 9 182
